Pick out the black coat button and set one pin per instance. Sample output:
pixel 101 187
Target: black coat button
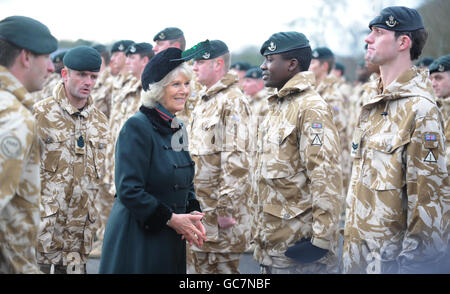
pixel 175 166
pixel 176 186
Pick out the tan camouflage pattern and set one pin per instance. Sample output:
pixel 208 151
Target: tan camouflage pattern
pixel 330 91
pixel 19 178
pixel 101 94
pixel 71 177
pixel 444 106
pixel 126 103
pixel 219 145
pixel 213 263
pixel 397 204
pixel 48 87
pixel 299 178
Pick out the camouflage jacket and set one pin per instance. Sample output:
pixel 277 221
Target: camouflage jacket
pixel 299 179
pixel 125 104
pixel 219 146
pixel 19 178
pixel 399 190
pixel 101 94
pixel 73 156
pixel 444 105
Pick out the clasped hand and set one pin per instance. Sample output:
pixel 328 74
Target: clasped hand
pixel 190 227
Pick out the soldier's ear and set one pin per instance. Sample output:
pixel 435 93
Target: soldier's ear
pixel 65 74
pixel 404 42
pixel 293 64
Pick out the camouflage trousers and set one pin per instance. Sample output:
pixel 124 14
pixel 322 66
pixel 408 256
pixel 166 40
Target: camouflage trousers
pixel 212 262
pixel 73 261
pixel 58 269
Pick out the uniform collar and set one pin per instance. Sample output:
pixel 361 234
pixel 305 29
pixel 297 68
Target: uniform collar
pixel 297 84
pixel 63 101
pixel 227 81
pixel 10 83
pixel 329 80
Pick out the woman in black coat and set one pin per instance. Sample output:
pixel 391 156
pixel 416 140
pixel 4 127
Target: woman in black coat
pixel 155 211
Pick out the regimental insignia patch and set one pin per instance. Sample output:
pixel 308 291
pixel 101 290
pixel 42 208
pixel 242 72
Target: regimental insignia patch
pixel 316 141
pixel 316 125
pixel 430 137
pixel 430 157
pixel 11 147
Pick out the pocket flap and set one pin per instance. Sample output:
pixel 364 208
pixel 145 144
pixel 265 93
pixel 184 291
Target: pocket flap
pixel 284 212
pixel 388 144
pixel 51 160
pixel 280 136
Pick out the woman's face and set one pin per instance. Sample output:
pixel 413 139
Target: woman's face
pixel 176 93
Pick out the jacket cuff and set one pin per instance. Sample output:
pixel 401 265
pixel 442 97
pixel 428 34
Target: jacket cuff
pixel 193 205
pixel 158 218
pixel 321 243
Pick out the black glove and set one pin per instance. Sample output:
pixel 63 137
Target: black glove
pixel 304 251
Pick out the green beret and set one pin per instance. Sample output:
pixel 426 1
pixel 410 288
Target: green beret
pixel 398 18
pixel 322 53
pixel 121 46
pixel 28 33
pixel 59 56
pixel 83 58
pixel 339 66
pixel 168 34
pixel 441 64
pixel 215 49
pixel 426 61
pixel 254 73
pixel 139 48
pixel 241 66
pixel 284 42
pixel 100 48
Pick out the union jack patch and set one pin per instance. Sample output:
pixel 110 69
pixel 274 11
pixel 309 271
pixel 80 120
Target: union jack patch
pixel 316 125
pixel 430 137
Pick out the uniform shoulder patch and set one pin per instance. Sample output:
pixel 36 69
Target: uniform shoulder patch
pixel 11 147
pixel 430 157
pixel 316 125
pixel 316 141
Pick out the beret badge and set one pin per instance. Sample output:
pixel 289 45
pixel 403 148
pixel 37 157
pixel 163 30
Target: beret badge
pixel 315 54
pixel 272 47
pixel 206 55
pixel 391 22
pixel 132 49
pixel 162 36
pixel 255 74
pixel 441 68
pixel 121 47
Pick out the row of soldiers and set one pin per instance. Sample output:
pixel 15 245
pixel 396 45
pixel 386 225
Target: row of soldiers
pixel 272 164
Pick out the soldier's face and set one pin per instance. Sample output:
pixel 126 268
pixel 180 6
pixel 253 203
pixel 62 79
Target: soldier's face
pixel 40 66
pixel 441 83
pixel 317 68
pixel 136 64
pixel 176 93
pixel 79 84
pixel 117 62
pixel 382 46
pixel 252 86
pixel 161 46
pixel 275 71
pixel 204 70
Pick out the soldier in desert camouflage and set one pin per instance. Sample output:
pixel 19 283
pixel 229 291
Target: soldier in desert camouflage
pixel 399 191
pixel 218 144
pixel 298 173
pixel 75 136
pixel 23 41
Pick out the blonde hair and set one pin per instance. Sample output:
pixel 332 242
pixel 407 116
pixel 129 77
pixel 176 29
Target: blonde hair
pixel 156 90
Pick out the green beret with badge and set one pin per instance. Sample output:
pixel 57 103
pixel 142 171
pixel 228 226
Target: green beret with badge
pixel 139 48
pixel 205 50
pixel 398 18
pixel 170 33
pixel 322 53
pixel 254 73
pixel 442 64
pixel 83 58
pixel 284 42
pixel 59 56
pixel 241 65
pixel 28 33
pixel 425 61
pixel 121 46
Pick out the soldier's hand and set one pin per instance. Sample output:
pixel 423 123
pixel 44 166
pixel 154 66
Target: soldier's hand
pixel 225 222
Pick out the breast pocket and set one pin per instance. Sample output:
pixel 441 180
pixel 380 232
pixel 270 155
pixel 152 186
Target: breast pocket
pixel 280 154
pixel 386 167
pixel 97 158
pixel 53 158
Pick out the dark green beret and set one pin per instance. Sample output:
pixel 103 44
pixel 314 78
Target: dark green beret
pixel 254 73
pixel 426 61
pixel 168 34
pixel 28 33
pixel 398 18
pixel 339 66
pixel 284 42
pixel 100 48
pixel 214 49
pixel 83 58
pixel 241 66
pixel 59 56
pixel 121 46
pixel 139 48
pixel 322 53
pixel 160 65
pixel 441 64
